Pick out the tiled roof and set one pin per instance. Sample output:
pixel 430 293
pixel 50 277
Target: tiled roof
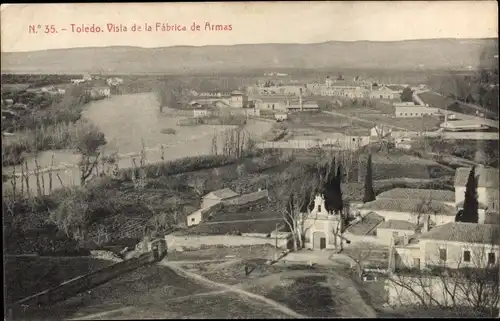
pixel 396 87
pixel 397 225
pixel 486 177
pixel 250 197
pixel 416 193
pixel 264 226
pixel 464 232
pixel 408 206
pixel 365 226
pixel 222 193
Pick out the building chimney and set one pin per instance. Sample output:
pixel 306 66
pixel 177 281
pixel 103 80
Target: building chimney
pixel 405 240
pixel 300 99
pixel 426 224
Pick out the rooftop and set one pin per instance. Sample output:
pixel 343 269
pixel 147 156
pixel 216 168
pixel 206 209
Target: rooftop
pixel 486 177
pixel 250 197
pixel 413 205
pixel 222 193
pixel 397 225
pixel 264 226
pixel 464 232
pixel 416 193
pixel 366 225
pixel 396 87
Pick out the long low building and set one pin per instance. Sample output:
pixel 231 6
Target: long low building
pixel 285 104
pixel 415 111
pixel 463 125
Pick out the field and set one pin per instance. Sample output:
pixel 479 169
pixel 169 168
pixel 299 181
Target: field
pixel 314 292
pixel 25 276
pixel 157 292
pixel 320 125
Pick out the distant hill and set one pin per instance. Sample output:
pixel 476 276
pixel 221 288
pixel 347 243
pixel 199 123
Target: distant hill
pixel 402 55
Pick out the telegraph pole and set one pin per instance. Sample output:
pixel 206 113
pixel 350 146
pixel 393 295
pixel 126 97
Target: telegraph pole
pixel 276 243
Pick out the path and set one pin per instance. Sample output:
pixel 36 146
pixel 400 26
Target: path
pixel 237 290
pixel 482 120
pixel 372 123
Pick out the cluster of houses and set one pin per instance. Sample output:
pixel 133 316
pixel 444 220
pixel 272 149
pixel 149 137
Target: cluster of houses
pixel 418 225
pixel 356 89
pixel 290 98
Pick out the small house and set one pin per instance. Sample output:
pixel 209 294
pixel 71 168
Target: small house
pixel 411 210
pixel 218 196
pixel 390 228
pixel 455 244
pixel 198 113
pixel 280 117
pixel 384 93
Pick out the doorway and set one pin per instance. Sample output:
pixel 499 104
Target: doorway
pixel 319 240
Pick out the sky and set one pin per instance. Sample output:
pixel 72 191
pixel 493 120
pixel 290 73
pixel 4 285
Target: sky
pixel 251 22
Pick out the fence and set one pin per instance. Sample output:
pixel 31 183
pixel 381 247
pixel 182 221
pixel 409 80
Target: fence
pixel 195 242
pixel 345 142
pixel 82 283
pixel 447 135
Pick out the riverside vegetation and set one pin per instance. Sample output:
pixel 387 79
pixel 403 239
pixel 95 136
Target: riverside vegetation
pixel 48 122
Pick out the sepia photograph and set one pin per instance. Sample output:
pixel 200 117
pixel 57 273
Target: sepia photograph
pixel 286 159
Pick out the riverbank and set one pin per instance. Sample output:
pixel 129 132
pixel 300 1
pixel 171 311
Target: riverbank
pixel 53 125
pixel 131 123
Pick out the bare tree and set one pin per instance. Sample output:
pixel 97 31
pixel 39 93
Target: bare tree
pixel 465 284
pixel 424 206
pixel 90 139
pixel 295 199
pixel 199 185
pixel 360 254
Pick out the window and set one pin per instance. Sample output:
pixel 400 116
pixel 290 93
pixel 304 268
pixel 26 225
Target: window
pixel 491 258
pixel 411 114
pixel 400 114
pixel 394 234
pixel 319 208
pixel 466 256
pixel 192 220
pixel 442 254
pixel 416 262
pixel 406 114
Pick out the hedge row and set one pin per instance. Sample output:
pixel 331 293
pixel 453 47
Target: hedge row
pixel 182 165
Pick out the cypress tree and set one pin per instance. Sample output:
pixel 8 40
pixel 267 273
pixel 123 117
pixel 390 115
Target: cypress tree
pixel 369 192
pixel 337 203
pixel 471 205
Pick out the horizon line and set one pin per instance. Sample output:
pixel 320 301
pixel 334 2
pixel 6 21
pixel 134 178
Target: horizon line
pixel 247 44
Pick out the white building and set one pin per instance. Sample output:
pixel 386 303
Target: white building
pixel 390 228
pixel 281 116
pixel 453 245
pixel 415 111
pixel 384 93
pixel 319 227
pixel 200 113
pixel 238 99
pixel 216 197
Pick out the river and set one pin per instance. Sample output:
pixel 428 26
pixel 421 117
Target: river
pixel 127 121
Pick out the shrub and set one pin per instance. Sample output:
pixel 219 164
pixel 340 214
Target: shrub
pixel 168 131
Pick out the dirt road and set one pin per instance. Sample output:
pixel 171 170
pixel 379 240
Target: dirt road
pixel 200 278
